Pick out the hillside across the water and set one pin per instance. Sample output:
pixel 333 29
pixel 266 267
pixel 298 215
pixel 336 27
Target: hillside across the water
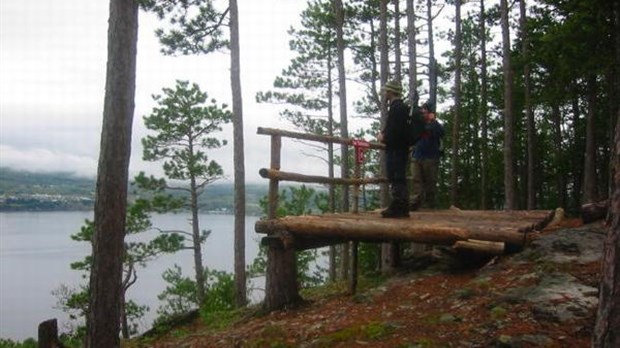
pixel 544 296
pixel 29 191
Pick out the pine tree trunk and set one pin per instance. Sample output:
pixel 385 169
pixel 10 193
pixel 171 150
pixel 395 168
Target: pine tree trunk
pixel 607 329
pixel 483 109
pixel 457 106
pixel 344 131
pixel 197 247
pixel 386 249
pixel 432 64
pixel 239 157
pixel 560 180
pixel 397 51
pixel 111 192
pixel 330 157
pixel 416 248
pixel 529 115
pixel 590 193
pixel 509 180
pixel 413 59
pixel 577 147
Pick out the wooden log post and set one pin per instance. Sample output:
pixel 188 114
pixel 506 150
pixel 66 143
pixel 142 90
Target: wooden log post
pixel 355 244
pixel 48 334
pixel 281 288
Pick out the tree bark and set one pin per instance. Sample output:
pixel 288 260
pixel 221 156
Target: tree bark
pixel 529 115
pixel 412 52
pixel 457 106
pixel 483 109
pixel 607 328
pixel 590 193
pixel 48 334
pixel 239 157
pixel 330 157
pixel 397 51
pixel 560 178
pixel 387 257
pixel 197 246
pixel 432 63
pixel 281 290
pixel 103 320
pixel 344 131
pixel 509 180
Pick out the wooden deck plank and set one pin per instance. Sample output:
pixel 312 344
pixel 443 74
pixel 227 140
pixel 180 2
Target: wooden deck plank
pixel 443 227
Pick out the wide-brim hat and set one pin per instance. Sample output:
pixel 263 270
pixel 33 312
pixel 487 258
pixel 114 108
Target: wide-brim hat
pixel 393 86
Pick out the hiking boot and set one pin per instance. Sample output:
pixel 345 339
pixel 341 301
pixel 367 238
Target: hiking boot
pixel 395 211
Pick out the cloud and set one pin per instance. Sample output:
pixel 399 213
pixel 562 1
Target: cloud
pixel 44 160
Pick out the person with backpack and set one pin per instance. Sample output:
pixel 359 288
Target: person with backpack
pixel 426 155
pixel 396 137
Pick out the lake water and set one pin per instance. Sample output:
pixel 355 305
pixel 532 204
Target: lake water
pixel 36 250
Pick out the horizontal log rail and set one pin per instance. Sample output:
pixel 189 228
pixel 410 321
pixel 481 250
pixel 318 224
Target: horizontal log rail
pixel 315 137
pixel 315 179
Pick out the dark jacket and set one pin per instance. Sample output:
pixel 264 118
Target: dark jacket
pixel 428 145
pixel 396 133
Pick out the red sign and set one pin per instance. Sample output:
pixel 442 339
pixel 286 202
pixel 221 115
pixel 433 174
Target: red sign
pixel 360 147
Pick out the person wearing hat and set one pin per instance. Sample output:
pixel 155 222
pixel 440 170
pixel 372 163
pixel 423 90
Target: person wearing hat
pixel 426 160
pixel 396 137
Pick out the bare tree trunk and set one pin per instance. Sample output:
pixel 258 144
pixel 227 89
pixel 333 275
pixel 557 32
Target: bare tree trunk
pixel 344 131
pixel 560 182
pixel 111 197
pixel 457 106
pixel 387 256
pixel 577 147
pixel 197 247
pixel 330 156
pixel 607 329
pixel 483 108
pixel 432 64
pixel 413 59
pixel 239 157
pixel 397 51
pixel 124 320
pixel 128 280
pixel 590 193
pixel 416 248
pixel 529 115
pixel 509 180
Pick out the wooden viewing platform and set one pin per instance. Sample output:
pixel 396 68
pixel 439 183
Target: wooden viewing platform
pixel 438 227
pixel 491 232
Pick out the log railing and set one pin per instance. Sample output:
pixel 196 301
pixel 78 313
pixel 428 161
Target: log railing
pixel 275 175
pixel 280 289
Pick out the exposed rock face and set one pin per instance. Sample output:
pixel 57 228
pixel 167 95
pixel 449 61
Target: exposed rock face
pixel 557 295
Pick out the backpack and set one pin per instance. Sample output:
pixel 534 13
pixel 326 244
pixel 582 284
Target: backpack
pixel 415 123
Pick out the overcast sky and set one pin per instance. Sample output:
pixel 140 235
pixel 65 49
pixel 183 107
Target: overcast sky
pixel 52 76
